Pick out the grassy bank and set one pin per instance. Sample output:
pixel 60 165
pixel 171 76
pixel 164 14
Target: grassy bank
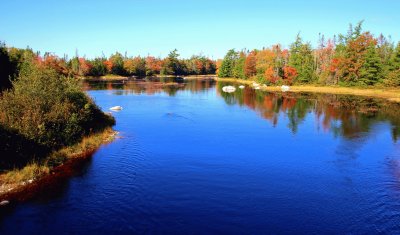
pixel 16 181
pixel 391 94
pixel 112 77
pixel 212 76
pixel 109 77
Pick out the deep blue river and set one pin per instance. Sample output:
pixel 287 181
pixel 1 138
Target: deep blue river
pixel 192 159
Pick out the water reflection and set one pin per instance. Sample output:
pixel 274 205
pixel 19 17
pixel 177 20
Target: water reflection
pixel 347 116
pixel 342 115
pixel 151 86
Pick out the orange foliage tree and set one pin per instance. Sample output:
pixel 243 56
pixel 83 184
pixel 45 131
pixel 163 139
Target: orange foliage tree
pixel 250 64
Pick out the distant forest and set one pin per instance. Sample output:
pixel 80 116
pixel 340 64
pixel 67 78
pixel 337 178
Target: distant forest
pixel 12 60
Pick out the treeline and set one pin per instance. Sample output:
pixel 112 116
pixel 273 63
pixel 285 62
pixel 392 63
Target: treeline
pixel 12 59
pixel 355 59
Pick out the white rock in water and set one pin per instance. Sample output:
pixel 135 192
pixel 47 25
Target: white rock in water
pixel 285 88
pixel 257 88
pixel 116 108
pixel 228 89
pixel 241 86
pixel 4 203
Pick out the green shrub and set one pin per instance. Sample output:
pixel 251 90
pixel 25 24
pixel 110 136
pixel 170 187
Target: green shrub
pixel 50 109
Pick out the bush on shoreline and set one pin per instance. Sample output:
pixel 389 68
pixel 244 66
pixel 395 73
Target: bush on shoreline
pixel 47 110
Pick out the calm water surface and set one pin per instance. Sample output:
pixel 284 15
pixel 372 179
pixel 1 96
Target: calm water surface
pixel 195 160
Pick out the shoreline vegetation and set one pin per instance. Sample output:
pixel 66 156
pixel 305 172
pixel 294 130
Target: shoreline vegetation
pixel 22 184
pixel 389 93
pixel 356 59
pixel 111 77
pixel 47 123
pixel 115 67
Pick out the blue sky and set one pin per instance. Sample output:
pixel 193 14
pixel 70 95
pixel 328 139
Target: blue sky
pixel 209 27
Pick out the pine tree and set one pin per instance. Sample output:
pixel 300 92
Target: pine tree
pixel 117 64
pixel 228 64
pixel 301 58
pixel 393 78
pixel 395 60
pixel 5 68
pixel 238 70
pixel 371 71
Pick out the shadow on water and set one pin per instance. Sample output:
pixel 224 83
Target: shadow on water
pixel 50 187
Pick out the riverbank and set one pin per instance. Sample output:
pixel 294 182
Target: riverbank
pixel 22 184
pixel 210 76
pixel 391 94
pixel 112 77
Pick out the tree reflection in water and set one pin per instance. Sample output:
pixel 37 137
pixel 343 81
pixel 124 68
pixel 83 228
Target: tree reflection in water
pixel 343 115
pixel 347 116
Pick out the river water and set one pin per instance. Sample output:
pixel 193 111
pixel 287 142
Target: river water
pixel 192 159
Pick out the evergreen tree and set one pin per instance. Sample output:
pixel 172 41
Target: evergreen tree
pixel 5 68
pixel 171 64
pixel 371 71
pixel 301 58
pixel 393 78
pixel 99 68
pixel 228 64
pixel 395 60
pixel 117 64
pixel 239 69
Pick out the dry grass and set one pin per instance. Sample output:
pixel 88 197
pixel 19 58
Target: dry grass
pixel 188 77
pixel 29 172
pixel 391 94
pixel 89 143
pixel 109 77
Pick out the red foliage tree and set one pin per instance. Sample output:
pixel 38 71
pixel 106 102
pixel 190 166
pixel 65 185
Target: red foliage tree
pixel 289 74
pixel 355 57
pixel 85 66
pixel 109 65
pixel 250 64
pixel 269 74
pixel 153 65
